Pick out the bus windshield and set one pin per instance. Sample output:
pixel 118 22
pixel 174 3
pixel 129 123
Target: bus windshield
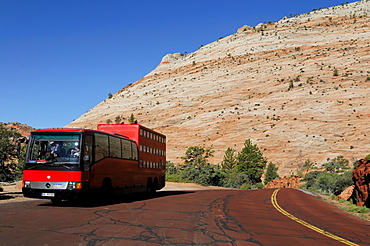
pixel 54 149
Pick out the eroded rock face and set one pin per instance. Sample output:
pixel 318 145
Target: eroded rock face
pixel 292 182
pixel 347 193
pixel 361 178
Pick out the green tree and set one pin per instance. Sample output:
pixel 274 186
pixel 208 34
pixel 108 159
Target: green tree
pixel 251 162
pixel 132 120
pixel 271 173
pixel 118 119
pixel 310 179
pixel 197 169
pixel 291 85
pixel 207 174
pixel 342 182
pixel 234 179
pixel 197 156
pixel 336 164
pixel 9 161
pixel 308 164
pixel 172 172
pixel 326 182
pixel 229 161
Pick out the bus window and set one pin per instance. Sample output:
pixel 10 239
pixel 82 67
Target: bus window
pixel 115 147
pixel 126 149
pixel 54 148
pixel 101 146
pixel 134 151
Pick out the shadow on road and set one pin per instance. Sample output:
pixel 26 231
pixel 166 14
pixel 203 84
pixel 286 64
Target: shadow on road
pixel 116 199
pixel 9 195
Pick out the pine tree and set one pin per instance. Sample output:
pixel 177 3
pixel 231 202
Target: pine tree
pixel 229 161
pixel 118 119
pixel 132 119
pixel 271 173
pixel 197 156
pixel 251 162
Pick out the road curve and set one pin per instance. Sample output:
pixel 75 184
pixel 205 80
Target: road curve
pixel 187 217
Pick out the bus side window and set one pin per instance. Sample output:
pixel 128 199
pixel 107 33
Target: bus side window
pixel 126 149
pixel 134 151
pixel 101 147
pixel 115 147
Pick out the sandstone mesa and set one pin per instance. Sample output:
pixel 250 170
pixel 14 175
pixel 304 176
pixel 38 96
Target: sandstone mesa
pixel 298 88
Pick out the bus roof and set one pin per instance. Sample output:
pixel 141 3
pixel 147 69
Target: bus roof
pixel 63 130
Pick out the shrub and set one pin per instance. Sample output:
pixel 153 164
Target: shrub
pixel 234 179
pixel 271 173
pixel 356 209
pixel 336 164
pixel 332 183
pixel 335 73
pixel 11 163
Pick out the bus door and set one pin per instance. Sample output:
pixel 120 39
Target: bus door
pixel 87 158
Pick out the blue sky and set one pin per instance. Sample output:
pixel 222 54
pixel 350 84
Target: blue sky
pixel 60 58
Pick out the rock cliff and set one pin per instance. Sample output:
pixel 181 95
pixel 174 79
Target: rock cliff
pixel 298 87
pixel 361 178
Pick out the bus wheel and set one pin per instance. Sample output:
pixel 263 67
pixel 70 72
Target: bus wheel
pixel 107 188
pixel 150 187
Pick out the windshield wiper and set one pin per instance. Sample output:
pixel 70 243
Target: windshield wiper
pixel 62 165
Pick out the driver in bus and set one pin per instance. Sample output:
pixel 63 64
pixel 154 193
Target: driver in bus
pixel 53 153
pixel 54 146
pixel 75 152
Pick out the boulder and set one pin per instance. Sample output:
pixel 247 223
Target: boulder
pixel 347 193
pixel 361 178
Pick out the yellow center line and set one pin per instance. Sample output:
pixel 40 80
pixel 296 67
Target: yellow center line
pixel 323 232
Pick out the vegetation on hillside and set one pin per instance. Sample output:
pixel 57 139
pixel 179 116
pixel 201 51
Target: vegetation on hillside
pixel 332 179
pixel 10 160
pixel 242 170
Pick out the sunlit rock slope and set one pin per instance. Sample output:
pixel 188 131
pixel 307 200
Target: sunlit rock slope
pixel 299 88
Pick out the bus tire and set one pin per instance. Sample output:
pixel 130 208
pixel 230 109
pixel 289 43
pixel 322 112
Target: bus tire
pixel 150 187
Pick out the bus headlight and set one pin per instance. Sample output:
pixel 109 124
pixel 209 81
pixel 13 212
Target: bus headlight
pixel 74 185
pixel 26 184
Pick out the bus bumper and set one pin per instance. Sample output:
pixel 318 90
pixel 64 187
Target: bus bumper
pixel 51 194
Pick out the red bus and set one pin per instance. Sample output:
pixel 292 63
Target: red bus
pixel 69 163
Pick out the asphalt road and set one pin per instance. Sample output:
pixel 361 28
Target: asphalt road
pixel 184 217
